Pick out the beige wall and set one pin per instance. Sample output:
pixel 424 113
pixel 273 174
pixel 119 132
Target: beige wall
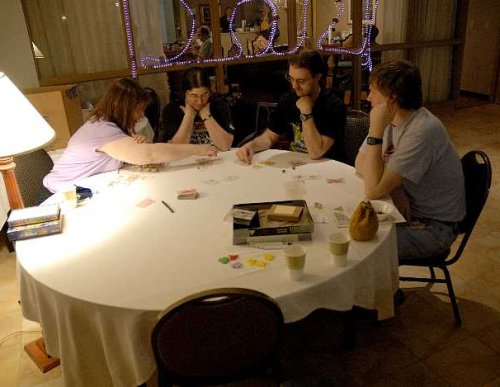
pixel 16 58
pixel 481 46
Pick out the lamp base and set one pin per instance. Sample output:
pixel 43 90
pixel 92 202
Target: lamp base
pixel 38 353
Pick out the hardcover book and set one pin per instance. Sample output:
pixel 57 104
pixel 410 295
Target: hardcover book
pixel 263 229
pixel 35 230
pixel 33 215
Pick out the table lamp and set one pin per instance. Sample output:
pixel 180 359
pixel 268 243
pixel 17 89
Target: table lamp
pixel 22 130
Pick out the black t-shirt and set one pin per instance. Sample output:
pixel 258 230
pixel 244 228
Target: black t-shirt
pixel 172 115
pixel 329 115
pixel 224 23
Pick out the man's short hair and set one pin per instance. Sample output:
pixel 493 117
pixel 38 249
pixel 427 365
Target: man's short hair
pixel 204 30
pixel 399 79
pixel 311 60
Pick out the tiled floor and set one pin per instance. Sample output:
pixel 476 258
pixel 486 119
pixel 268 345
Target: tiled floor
pixel 419 347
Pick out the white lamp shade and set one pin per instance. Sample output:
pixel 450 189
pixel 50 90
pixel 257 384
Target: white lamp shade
pixel 22 128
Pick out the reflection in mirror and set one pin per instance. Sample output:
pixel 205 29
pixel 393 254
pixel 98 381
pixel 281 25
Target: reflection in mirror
pixel 305 31
pixel 167 32
pixel 247 28
pixel 338 39
pixel 170 31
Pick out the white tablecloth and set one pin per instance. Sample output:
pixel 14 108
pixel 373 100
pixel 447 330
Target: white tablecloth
pixel 97 287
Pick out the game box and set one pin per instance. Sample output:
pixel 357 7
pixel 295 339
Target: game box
pixel 33 215
pixel 262 229
pixel 35 230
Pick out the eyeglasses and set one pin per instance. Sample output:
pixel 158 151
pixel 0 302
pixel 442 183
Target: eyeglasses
pixel 202 97
pixel 300 82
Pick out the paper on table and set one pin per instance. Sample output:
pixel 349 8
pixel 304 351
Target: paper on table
pixel 343 215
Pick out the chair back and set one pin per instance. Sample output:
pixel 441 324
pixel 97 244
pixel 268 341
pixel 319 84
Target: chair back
pixel 263 114
pixel 217 336
pixel 152 111
pixel 476 167
pixel 356 130
pixel 30 170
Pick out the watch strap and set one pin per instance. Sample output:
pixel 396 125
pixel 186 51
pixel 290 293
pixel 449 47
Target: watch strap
pixel 374 140
pixel 305 117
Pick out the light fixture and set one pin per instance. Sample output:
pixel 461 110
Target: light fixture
pixel 38 53
pixel 22 130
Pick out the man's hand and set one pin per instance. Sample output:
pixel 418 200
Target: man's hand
pixel 305 104
pixel 245 154
pixel 380 117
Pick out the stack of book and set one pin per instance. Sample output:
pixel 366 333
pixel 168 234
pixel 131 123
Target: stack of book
pixel 284 221
pixel 33 222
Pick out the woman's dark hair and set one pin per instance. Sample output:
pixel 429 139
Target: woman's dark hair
pixel 195 77
pixel 120 102
pixel 399 79
pixel 311 60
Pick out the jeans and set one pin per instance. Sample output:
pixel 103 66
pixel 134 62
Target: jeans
pixel 424 237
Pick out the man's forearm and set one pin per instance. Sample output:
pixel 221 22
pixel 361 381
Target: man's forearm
pixel 372 170
pixel 260 143
pixel 313 139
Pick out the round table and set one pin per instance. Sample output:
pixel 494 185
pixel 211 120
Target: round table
pixel 123 257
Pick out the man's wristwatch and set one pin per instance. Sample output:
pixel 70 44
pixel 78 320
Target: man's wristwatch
pixel 374 140
pixel 305 117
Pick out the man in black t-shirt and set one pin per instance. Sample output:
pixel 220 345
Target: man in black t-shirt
pixel 224 20
pixel 311 119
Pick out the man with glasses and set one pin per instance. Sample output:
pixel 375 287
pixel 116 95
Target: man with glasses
pixel 205 50
pixel 311 118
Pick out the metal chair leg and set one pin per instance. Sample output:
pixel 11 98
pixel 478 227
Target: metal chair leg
pixel 433 273
pixel 451 294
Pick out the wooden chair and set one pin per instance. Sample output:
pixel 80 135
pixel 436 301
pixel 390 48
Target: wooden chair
pixel 477 172
pixel 218 336
pixel 356 130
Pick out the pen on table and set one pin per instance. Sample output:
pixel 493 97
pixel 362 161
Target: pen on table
pixel 166 205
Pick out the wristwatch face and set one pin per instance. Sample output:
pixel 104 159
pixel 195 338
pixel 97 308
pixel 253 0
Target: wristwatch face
pixel 373 141
pixel 304 117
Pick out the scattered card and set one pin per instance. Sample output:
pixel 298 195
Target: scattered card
pixel 187 194
pixel 144 203
pixel 297 163
pixel 335 181
pixel 266 162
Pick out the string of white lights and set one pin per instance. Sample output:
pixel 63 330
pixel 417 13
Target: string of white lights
pixel 150 61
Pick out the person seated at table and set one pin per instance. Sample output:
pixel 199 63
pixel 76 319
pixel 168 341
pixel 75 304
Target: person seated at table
pixel 200 118
pixel 312 118
pixel 205 49
pixel 261 41
pixel 225 19
pixel 409 155
pixel 105 141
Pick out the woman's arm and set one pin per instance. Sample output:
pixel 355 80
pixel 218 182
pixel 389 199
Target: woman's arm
pixel 221 139
pixel 127 150
pixel 183 134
